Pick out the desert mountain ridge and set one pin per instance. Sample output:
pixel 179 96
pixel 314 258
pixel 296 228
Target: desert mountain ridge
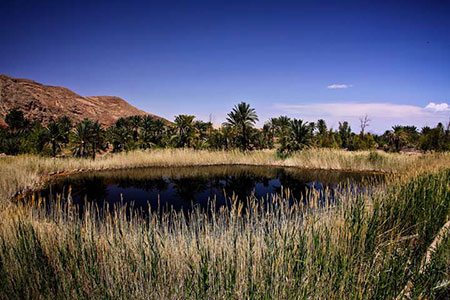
pixel 44 103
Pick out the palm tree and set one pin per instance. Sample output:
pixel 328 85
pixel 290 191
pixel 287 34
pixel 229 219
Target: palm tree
pixel 282 129
pixel 146 132
pixel 65 126
pixel 135 123
pixel 185 126
pixel 228 135
pixel 16 121
pixel 55 136
pixel 121 135
pixel 38 137
pixel 96 138
pixel 82 136
pixel 300 135
pixel 397 137
pixel 158 127
pixel 242 117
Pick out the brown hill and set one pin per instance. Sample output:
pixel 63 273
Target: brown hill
pixel 44 103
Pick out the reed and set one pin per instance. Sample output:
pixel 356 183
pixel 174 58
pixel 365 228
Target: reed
pixel 365 245
pixel 26 171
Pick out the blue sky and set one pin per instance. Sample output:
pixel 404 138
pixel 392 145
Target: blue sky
pixel 315 59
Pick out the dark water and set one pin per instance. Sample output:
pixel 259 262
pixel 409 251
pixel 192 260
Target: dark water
pixel 180 188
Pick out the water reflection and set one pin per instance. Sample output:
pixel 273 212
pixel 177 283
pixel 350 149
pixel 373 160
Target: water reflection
pixel 180 188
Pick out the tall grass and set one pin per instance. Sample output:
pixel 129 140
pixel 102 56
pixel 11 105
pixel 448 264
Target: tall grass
pixel 365 246
pixel 27 171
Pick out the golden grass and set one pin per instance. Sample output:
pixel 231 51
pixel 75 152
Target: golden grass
pixel 366 246
pixel 26 171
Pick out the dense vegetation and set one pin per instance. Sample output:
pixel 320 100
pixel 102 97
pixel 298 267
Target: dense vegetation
pixel 365 246
pixel 87 137
pixel 391 242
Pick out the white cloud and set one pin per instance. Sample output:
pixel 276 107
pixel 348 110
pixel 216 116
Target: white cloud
pixel 343 110
pixel 338 86
pixel 383 115
pixel 437 107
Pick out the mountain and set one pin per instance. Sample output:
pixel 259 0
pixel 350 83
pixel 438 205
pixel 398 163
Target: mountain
pixel 44 103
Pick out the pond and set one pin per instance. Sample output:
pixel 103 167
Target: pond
pixel 182 187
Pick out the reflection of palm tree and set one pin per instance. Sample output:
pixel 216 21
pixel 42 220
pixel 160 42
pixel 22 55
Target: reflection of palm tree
pixel 93 188
pixel 187 188
pixel 145 184
pixel 297 188
pixel 241 186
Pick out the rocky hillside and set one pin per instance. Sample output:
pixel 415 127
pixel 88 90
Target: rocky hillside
pixel 44 103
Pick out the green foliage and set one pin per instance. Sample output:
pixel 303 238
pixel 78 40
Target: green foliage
pixel 242 118
pixel 16 121
pixel 88 138
pixel 345 133
pixel 185 129
pixel 362 142
pixel 365 246
pixel 144 132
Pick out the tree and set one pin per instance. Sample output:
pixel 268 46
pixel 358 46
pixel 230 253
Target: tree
pixel 242 117
pixel 65 126
pixel 135 124
pixel 398 138
pixel 435 138
pixel 97 137
pixel 364 123
pixel 121 135
pixel 38 137
pixel 345 133
pixel 185 128
pixel 16 121
pixel 82 136
pixel 147 132
pixel 55 136
pixel 300 135
pixel 282 127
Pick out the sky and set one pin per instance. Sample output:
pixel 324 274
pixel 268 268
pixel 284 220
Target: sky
pixel 336 60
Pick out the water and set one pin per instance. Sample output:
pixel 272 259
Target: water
pixel 181 188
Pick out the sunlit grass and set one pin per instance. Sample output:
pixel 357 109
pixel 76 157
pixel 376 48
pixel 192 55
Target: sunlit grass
pixel 368 245
pixel 25 171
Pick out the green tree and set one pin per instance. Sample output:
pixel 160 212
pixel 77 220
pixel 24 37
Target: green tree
pixel 54 136
pixel 398 138
pixel 120 135
pixel 300 135
pixel 282 128
pixel 65 126
pixel 345 133
pixel 185 128
pixel 242 117
pixel 82 136
pixel 134 122
pixel 97 138
pixel 16 121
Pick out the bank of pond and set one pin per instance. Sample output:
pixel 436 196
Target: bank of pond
pixel 209 188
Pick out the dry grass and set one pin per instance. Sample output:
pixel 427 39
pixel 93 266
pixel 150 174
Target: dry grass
pixel 25 171
pixel 366 246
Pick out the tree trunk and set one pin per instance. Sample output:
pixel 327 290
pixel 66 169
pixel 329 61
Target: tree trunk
pixel 93 151
pixel 53 148
pixel 244 138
